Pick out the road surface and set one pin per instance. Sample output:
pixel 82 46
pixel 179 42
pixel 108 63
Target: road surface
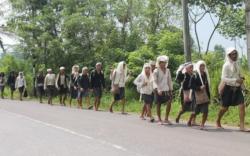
pixel 28 128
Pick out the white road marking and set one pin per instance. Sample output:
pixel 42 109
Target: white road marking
pixel 118 147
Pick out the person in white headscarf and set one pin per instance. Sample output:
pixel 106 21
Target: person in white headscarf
pixel 62 84
pixel 49 85
pixel 183 77
pixel 119 78
pixel 232 92
pixel 163 86
pixel 144 83
pixel 21 84
pixel 200 83
pixel 73 83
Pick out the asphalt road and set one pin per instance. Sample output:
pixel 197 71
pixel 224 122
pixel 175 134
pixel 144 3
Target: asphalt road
pixel 31 129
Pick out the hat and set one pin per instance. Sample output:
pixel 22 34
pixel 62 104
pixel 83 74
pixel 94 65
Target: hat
pixel 62 68
pixel 99 63
pixel 49 70
pixel 85 68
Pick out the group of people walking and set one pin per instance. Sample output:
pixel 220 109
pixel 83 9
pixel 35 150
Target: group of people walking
pixel 154 84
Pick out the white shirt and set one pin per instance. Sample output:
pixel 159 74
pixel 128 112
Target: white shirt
pixel 230 73
pixel 50 80
pixel 20 82
pixel 147 89
pixel 120 79
pixel 162 81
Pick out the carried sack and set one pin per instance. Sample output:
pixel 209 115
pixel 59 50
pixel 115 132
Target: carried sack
pixel 187 95
pixel 201 97
pixel 114 89
pixel 221 87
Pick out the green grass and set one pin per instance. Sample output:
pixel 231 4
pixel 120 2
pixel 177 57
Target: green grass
pixel 134 106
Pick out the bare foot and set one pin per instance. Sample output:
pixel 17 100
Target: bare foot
pixel 168 122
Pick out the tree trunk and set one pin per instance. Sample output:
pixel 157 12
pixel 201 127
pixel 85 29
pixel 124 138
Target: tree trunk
pixel 247 3
pixel 186 33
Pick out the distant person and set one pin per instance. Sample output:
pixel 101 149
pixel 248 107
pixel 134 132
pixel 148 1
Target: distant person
pixel 144 83
pixel 184 75
pixel 11 81
pixel 62 83
pixel 2 84
pixel 97 84
pixel 200 83
pixel 21 85
pixel 119 77
pixel 49 85
pixel 39 84
pixel 163 86
pixel 152 66
pixel 84 88
pixel 73 83
pixel 231 89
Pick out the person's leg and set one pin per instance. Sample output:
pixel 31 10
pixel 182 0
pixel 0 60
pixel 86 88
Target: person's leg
pixel 143 111
pixel 168 109
pixel 204 119
pixel 192 116
pixel 64 99
pixel 123 106
pixel 11 94
pixel 60 98
pixel 111 106
pixel 222 111
pixel 98 102
pixel 87 99
pixel 149 113
pixel 158 111
pixel 177 120
pixel 242 116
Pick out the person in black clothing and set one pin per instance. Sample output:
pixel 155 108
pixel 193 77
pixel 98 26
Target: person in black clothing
pixel 39 84
pixel 62 81
pixel 184 75
pixel 200 84
pixel 11 81
pixel 83 84
pixel 97 84
pixel 2 84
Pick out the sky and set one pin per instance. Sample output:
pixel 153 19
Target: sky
pixel 205 28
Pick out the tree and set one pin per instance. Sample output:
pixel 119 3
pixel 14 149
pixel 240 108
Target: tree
pixel 218 11
pixel 248 30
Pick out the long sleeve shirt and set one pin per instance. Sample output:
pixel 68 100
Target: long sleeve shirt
pixel 184 80
pixel 20 82
pixel 162 81
pixel 230 75
pixel 97 80
pixel 144 89
pixel 84 82
pixel 120 79
pixel 196 83
pixel 50 80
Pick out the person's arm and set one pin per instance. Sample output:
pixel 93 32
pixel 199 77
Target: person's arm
pixel 92 79
pixel 170 82
pixel 16 83
pixel 57 79
pixel 45 82
pixel 103 81
pixel 155 75
pixel 180 77
pixel 116 78
pixel 24 82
